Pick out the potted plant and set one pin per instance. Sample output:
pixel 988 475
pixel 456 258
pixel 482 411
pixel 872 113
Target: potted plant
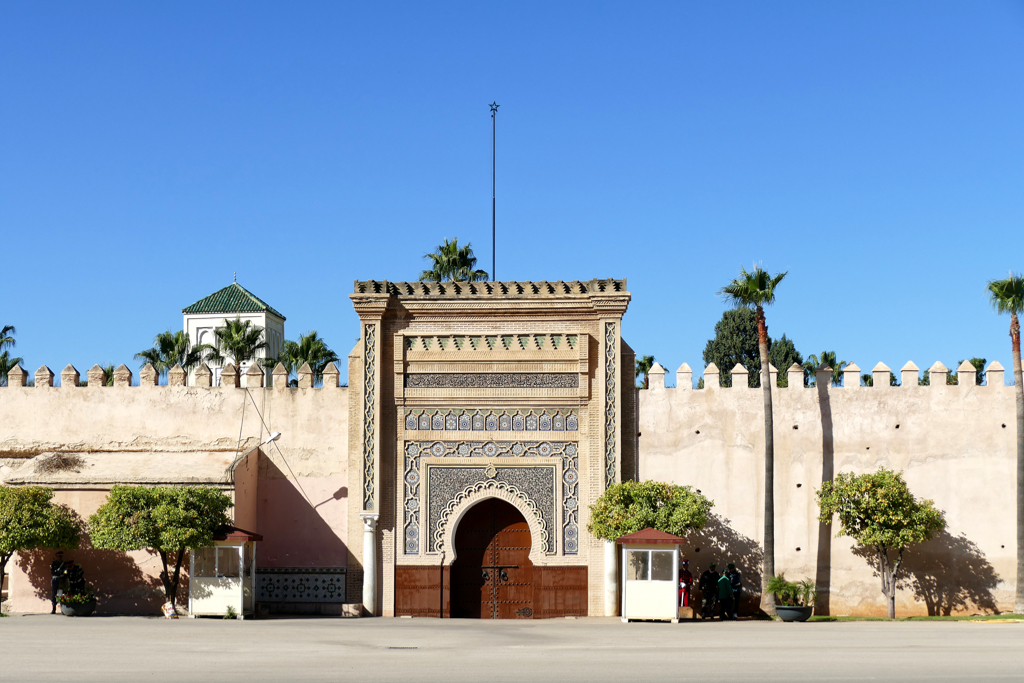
pixel 78 605
pixel 793 601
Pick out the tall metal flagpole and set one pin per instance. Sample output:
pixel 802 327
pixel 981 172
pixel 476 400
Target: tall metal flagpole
pixel 494 111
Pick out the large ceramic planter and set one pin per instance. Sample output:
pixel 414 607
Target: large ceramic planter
pixel 79 610
pixel 794 613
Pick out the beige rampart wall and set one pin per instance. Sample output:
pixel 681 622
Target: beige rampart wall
pixel 955 444
pixel 300 506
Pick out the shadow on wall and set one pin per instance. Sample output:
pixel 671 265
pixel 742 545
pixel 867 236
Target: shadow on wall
pixel 294 532
pixel 121 585
pixel 948 574
pixel 720 543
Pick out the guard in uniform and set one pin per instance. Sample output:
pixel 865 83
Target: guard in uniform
pixel 58 571
pixel 685 582
pixel 708 585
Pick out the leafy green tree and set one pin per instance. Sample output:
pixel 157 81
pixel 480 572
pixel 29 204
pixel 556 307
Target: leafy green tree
pixel 631 506
pixel 310 348
pixel 755 290
pixel 1007 296
pixel 735 341
pixel 452 263
pixel 165 519
pixel 7 333
pixel 643 367
pixel 29 521
pixel 782 354
pixel 173 348
pixel 827 358
pixel 238 340
pixel 881 515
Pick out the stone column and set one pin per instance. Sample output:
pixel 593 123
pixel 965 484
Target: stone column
pixel 370 561
pixel 611 580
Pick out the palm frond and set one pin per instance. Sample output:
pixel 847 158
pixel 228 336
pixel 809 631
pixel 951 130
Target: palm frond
pixel 1007 296
pixel 752 289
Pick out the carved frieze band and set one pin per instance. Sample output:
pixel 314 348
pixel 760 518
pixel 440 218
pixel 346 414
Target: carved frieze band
pixel 484 343
pixel 610 356
pixel 516 420
pixel 369 412
pixel 449 485
pixel 493 380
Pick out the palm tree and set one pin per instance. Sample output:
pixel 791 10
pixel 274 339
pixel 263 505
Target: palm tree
pixel 1008 297
pixel 6 365
pixel 643 367
pixel 173 348
pixel 452 263
pixel 309 349
pixel 756 290
pixel 827 358
pixel 238 340
pixel 7 333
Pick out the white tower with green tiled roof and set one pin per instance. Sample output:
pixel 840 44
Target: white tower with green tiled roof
pixel 234 301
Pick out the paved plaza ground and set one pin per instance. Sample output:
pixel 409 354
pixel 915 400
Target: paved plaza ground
pixel 44 648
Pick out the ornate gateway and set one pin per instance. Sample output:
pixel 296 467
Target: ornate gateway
pixel 486 405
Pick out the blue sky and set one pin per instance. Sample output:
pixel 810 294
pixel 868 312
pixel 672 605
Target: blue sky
pixel 872 149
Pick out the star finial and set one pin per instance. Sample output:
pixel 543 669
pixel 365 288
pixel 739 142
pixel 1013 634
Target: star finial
pixel 494 107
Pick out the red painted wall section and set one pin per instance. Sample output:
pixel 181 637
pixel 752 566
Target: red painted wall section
pixel 246 477
pixel 303 522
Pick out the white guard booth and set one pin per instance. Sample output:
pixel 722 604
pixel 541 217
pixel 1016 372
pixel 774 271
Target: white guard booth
pixel 650 575
pixel 222 576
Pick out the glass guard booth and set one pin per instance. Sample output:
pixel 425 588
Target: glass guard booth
pixel 222 576
pixel 650 575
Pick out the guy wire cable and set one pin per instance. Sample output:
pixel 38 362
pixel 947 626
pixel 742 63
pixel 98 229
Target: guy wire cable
pixel 283 459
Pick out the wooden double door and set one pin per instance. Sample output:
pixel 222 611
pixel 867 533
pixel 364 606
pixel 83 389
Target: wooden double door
pixel 492 576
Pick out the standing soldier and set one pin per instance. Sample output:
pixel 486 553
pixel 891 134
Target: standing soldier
pixel 685 581
pixel 708 585
pixel 737 589
pixel 725 596
pixel 58 570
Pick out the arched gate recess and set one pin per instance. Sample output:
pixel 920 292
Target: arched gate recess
pixel 492 576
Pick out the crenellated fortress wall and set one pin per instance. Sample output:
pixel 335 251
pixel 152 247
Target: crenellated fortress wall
pixel 181 434
pixel 955 444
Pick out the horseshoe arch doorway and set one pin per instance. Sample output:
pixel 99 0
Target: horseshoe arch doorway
pixel 492 576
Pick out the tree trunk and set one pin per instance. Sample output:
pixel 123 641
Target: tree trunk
pixel 1018 390
pixel 165 578
pixel 3 570
pixel 768 561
